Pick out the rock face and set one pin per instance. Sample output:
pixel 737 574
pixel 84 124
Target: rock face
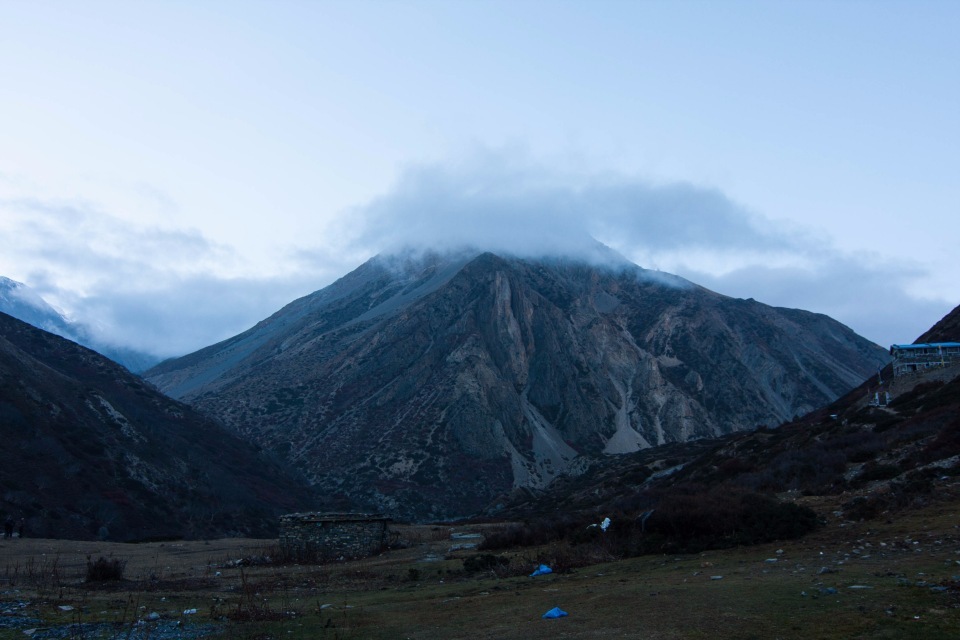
pixel 424 387
pixel 91 450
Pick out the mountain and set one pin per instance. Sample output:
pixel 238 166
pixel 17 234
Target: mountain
pixel 855 458
pixel 946 330
pixel 424 386
pixel 90 449
pixel 21 302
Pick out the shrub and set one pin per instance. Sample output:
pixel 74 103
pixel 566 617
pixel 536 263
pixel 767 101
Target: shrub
pixel 857 445
pixel 694 520
pixel 900 494
pixel 685 518
pixel 484 562
pixel 946 444
pixel 105 569
pixel 873 472
pixel 914 399
pixel 530 534
pixel 862 508
pixel 803 469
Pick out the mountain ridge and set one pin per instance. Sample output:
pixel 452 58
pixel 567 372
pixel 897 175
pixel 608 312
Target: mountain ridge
pixel 425 390
pixel 93 451
pixel 21 302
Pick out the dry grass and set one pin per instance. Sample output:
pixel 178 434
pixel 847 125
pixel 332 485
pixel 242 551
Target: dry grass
pixel 422 591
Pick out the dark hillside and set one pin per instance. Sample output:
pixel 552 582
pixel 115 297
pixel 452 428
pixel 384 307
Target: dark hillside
pixel 947 330
pixel 90 449
pixel 863 456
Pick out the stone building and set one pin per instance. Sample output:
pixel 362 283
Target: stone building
pixel 910 358
pixel 333 535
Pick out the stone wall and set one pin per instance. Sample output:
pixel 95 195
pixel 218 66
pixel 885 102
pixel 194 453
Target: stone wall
pixel 332 535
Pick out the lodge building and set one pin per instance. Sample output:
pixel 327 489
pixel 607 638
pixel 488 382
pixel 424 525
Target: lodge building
pixel 910 358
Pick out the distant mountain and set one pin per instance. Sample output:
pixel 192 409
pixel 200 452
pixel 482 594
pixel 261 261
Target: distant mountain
pixel 90 449
pixel 21 302
pixel 426 386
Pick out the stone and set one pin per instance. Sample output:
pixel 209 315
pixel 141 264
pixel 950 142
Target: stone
pixel 332 535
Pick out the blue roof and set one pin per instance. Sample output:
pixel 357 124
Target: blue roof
pixel 924 345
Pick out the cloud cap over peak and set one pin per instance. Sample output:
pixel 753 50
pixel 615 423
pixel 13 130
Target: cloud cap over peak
pixel 529 211
pixel 502 202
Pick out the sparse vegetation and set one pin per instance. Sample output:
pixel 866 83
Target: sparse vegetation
pixel 685 518
pixel 484 562
pixel 192 590
pixel 105 569
pixel 873 472
pixel 693 518
pixel 871 491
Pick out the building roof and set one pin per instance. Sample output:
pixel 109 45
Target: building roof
pixel 314 516
pixel 923 345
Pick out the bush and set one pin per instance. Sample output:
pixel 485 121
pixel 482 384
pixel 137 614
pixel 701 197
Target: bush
pixel 105 569
pixel 863 508
pixel 804 469
pixel 901 494
pixel 530 534
pixel 685 518
pixel 873 472
pixel 694 519
pixel 484 562
pixel 945 445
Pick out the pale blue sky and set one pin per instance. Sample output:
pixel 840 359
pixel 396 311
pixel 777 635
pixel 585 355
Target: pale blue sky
pixel 172 172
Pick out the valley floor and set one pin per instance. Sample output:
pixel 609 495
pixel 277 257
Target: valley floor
pixel 895 578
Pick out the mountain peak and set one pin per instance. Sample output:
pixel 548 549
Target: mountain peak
pixel 425 383
pixel 590 252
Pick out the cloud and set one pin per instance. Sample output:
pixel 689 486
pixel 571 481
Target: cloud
pixel 170 290
pixel 163 291
pixel 185 314
pixel 531 211
pixel 75 236
pixel 503 202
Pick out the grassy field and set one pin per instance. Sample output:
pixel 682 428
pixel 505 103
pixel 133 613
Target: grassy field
pixel 885 579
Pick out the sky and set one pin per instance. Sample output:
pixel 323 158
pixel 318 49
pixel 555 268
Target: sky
pixel 173 172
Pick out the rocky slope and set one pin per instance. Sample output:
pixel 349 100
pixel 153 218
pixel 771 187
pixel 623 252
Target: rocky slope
pixel 90 449
pixel 869 461
pixel 426 386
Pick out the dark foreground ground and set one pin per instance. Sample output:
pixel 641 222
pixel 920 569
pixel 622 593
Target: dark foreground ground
pixel 897 577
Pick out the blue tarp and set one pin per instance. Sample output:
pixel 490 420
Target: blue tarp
pixel 556 612
pixel 541 570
